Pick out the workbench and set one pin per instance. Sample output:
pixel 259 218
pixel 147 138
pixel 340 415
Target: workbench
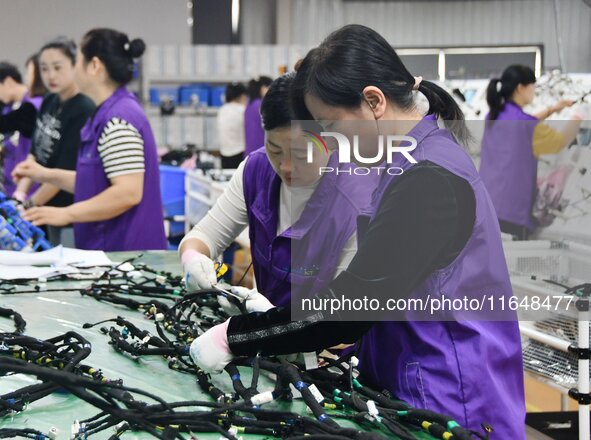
pixel 51 313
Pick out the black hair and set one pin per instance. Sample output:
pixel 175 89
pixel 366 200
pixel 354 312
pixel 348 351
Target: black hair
pixel 8 70
pixel 275 109
pixel 234 91
pixel 255 85
pixel 115 51
pixel 37 87
pixel 63 44
pixel 354 57
pixel 512 76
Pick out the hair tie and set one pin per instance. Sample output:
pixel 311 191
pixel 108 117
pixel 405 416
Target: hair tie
pixel 418 80
pixel 499 86
pixel 126 47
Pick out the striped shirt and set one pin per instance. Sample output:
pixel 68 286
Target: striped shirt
pixel 121 148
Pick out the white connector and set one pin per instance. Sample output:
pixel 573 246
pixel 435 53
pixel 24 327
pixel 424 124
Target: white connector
pixel 262 398
pixel 52 434
pixel 354 361
pixel 372 408
pixel 75 429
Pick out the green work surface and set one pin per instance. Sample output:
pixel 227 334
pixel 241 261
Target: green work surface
pixel 52 313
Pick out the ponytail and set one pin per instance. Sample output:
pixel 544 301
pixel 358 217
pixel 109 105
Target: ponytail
pixel 445 107
pixel 495 100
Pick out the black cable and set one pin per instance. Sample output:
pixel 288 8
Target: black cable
pixel 19 322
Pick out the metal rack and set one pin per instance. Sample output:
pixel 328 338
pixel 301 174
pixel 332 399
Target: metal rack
pixel 556 343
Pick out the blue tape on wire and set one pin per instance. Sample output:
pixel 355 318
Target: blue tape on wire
pixel 300 385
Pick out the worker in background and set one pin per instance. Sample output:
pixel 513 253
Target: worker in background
pixel 116 183
pixel 33 79
pixel 23 118
pixel 230 124
pixel 283 201
pixel 512 142
pixel 16 143
pixel 432 231
pixel 57 133
pixel 253 128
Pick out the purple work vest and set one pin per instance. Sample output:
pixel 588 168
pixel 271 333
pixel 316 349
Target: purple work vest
pixel 254 135
pixel 303 258
pixel 16 153
pixel 141 227
pixel 508 166
pixel 469 370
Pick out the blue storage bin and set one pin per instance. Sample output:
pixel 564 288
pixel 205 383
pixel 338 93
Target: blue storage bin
pixel 172 188
pixel 194 94
pixel 217 96
pixel 158 94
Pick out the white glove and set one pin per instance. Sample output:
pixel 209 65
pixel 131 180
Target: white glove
pixel 254 301
pixel 199 271
pixel 227 306
pixel 210 351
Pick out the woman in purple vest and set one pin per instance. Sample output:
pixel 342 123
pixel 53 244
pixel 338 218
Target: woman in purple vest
pixel 512 142
pixel 287 207
pixel 19 112
pixel 117 204
pixel 432 231
pixel 254 135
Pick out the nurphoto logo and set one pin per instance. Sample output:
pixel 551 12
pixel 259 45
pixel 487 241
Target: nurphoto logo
pixel 388 146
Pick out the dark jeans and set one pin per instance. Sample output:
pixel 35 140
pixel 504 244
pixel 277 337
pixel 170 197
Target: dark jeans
pixel 232 161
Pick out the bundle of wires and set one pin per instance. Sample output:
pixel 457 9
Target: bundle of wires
pixel 331 392
pixel 334 383
pixel 26 433
pixel 64 353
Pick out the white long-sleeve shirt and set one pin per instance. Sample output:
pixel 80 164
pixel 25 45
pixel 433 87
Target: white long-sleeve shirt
pixel 228 218
pixel 230 125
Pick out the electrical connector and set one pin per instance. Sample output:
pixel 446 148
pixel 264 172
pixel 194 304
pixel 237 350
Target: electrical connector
pixel 53 432
pixel 74 430
pixel 262 398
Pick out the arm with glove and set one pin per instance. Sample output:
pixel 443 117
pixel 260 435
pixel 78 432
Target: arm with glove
pixel 213 234
pixel 426 217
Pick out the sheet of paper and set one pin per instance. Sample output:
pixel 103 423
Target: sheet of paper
pixel 56 256
pixel 31 272
pixel 84 258
pixel 45 258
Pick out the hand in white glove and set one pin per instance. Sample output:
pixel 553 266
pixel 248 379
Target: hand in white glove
pixel 254 301
pixel 210 351
pixel 199 270
pixel 229 307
